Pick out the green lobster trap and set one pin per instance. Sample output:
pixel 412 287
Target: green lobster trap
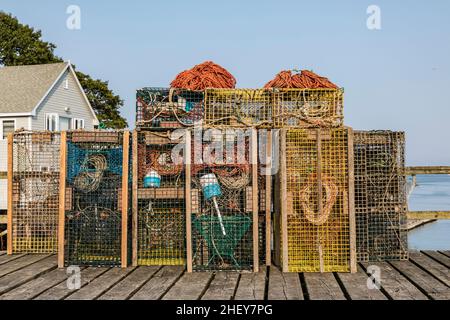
pixel 314 221
pixel 35 165
pixel 165 108
pixel 307 108
pixel 223 207
pixel 96 197
pixel 380 196
pixel 159 200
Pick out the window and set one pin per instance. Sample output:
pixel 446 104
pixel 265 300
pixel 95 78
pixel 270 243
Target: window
pixel 77 124
pixel 66 84
pixel 51 122
pixel 7 126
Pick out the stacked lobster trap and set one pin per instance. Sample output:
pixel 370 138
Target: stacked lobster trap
pixel 159 202
pixel 35 167
pixel 94 219
pixel 223 208
pixel 380 196
pixel 314 221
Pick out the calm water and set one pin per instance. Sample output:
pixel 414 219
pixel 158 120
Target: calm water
pixel 432 193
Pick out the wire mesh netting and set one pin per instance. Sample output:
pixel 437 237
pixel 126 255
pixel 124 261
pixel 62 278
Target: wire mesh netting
pixel 35 202
pixel 168 108
pixel 161 236
pixel 317 182
pixel 93 205
pixel 380 196
pixel 307 108
pixel 237 108
pixel 222 193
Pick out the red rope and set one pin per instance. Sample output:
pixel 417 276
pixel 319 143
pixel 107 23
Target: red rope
pixel 202 76
pixel 304 80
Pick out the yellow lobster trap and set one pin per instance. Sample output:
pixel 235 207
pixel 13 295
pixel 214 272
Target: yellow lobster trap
pixel 159 212
pixel 314 219
pixel 34 170
pixel 306 108
pixel 237 108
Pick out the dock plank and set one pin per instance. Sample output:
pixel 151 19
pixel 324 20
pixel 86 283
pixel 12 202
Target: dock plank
pixel 21 262
pixel 323 286
pixel 158 285
pixel 251 286
pixel 61 290
pixel 284 286
pixel 125 288
pixel 101 284
pixel 222 287
pixel 189 287
pixel 356 286
pixel 33 288
pixel 443 259
pixel 395 284
pixel 7 258
pixel 434 288
pixel 446 253
pixel 433 267
pixel 23 275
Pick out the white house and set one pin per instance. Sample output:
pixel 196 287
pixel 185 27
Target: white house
pixel 40 97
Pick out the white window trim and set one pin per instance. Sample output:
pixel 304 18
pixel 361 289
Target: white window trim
pixel 1 126
pixel 57 120
pixel 74 120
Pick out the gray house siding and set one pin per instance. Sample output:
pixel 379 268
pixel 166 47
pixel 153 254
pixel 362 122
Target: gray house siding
pixel 59 99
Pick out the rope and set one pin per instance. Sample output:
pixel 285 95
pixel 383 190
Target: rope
pixel 304 80
pixel 163 164
pixel 204 75
pixel 331 191
pixel 92 169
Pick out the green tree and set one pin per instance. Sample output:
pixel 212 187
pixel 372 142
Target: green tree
pixel 22 45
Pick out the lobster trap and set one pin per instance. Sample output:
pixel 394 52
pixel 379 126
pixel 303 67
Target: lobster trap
pixel 307 108
pixel 159 199
pixel 314 222
pixel 238 108
pixel 380 196
pixel 34 192
pixel 168 108
pixel 222 174
pixel 94 216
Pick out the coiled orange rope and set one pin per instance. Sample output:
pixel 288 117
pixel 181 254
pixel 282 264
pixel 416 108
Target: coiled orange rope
pixel 204 75
pixel 304 80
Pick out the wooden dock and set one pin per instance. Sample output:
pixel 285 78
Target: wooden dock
pixel 36 277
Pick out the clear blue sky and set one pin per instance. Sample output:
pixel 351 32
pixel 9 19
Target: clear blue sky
pixel 395 78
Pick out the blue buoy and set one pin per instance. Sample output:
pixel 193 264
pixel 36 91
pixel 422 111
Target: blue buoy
pixel 152 180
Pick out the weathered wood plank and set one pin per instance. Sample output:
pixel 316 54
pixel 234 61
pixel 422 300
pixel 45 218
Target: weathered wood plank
pixel 427 170
pixel 251 286
pixel 284 286
pixel 439 271
pixel 446 253
pixel 2 253
pixel 438 257
pixel 428 215
pixel 33 288
pixel 356 286
pixel 396 285
pixel 7 258
pixel 434 289
pixel 222 287
pixel 61 290
pixel 189 287
pixel 101 284
pixel 155 288
pixel 19 263
pixel 323 286
pixel 21 276
pixel 130 284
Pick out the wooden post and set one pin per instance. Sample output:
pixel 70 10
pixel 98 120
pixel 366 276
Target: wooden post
pixel 319 195
pixel 62 198
pixel 268 200
pixel 283 200
pixel 188 199
pixel 351 202
pixel 134 213
pixel 125 185
pixel 254 155
pixel 10 169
